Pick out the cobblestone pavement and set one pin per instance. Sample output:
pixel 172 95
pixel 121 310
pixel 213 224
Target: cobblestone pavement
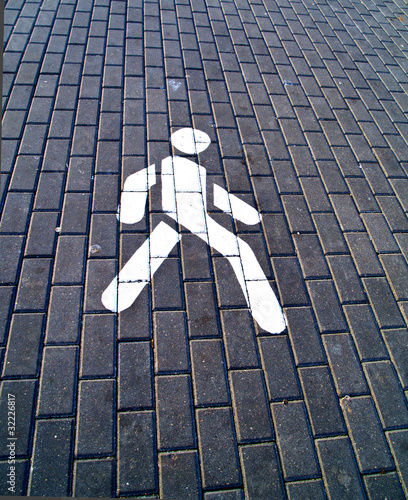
pixel 182 395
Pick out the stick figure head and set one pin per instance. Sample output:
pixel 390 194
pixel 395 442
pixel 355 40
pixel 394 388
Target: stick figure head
pixel 190 141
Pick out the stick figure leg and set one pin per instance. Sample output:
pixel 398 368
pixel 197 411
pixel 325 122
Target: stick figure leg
pixel 261 299
pixel 140 268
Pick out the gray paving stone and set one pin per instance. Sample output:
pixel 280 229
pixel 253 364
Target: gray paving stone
pixel 321 401
pixel 174 410
pixel 16 213
pixel 49 472
pixel 136 466
pixel 22 356
pixel 75 213
pixel 42 234
pixel 285 178
pixel 240 344
pixel 281 378
pixel 330 234
pixel 337 462
pixel 209 373
pixel 346 279
pixel 380 485
pixel 387 394
pixel 99 273
pixel 70 259
pixel 98 335
pixel 94 426
pixel 291 285
pixel 217 448
pixel 261 471
pixel 24 392
pixel 332 177
pixel 135 375
pixel 325 302
pixel 93 478
pixel 344 364
pixel 58 381
pixel 48 193
pixel 364 255
pixel 396 271
pixel 293 433
pixel 64 315
pixel 201 310
pixel 397 347
pixel 33 285
pixel 394 213
pixel 367 437
pixel 166 296
pixel 306 489
pixel 25 173
pixel 311 256
pixel 250 406
pixel 170 342
pixel 398 444
pixel 346 213
pixel 21 468
pixel 227 295
pixel 277 235
pixel 380 234
pixel 179 476
pixel 11 248
pixel 6 302
pixel 383 303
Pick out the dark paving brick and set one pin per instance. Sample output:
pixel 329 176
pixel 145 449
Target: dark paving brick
pixel 201 310
pixel 337 462
pixel 41 234
pixel 346 279
pixel 6 302
pixel 99 273
pixel 293 433
pixel 397 346
pixel 366 435
pixel 381 485
pixel 25 173
pixel 346 213
pixel 24 392
pixel 135 375
pixel 321 401
pixel 344 364
pixel 93 478
pixel 261 471
pixel 179 475
pixel 388 396
pixel 396 271
pixel 136 453
pixel 75 213
pixel 281 378
pixel 21 468
pixel 58 381
pixel 240 344
pixel 364 255
pixel 49 471
pixel 69 262
pixel 394 213
pixel 329 233
pixel 332 177
pixel 277 235
pixel 98 335
pixel 16 212
pixel 174 409
pixel 398 444
pixel 218 451
pixel 383 303
pixel 141 309
pixel 170 342
pixel 329 314
pixel 380 233
pixel 306 489
pixel 33 285
pixel 311 256
pixel 11 251
pixel 64 315
pixel 209 373
pixel 291 285
pixel 48 193
pixel 95 421
pixel 166 296
pixel 250 406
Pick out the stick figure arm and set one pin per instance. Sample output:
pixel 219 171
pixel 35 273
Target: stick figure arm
pixel 239 209
pixel 134 195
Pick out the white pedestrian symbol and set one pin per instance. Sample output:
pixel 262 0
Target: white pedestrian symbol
pixel 184 200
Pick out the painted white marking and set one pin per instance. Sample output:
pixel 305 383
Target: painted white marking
pixel 184 200
pixel 174 85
